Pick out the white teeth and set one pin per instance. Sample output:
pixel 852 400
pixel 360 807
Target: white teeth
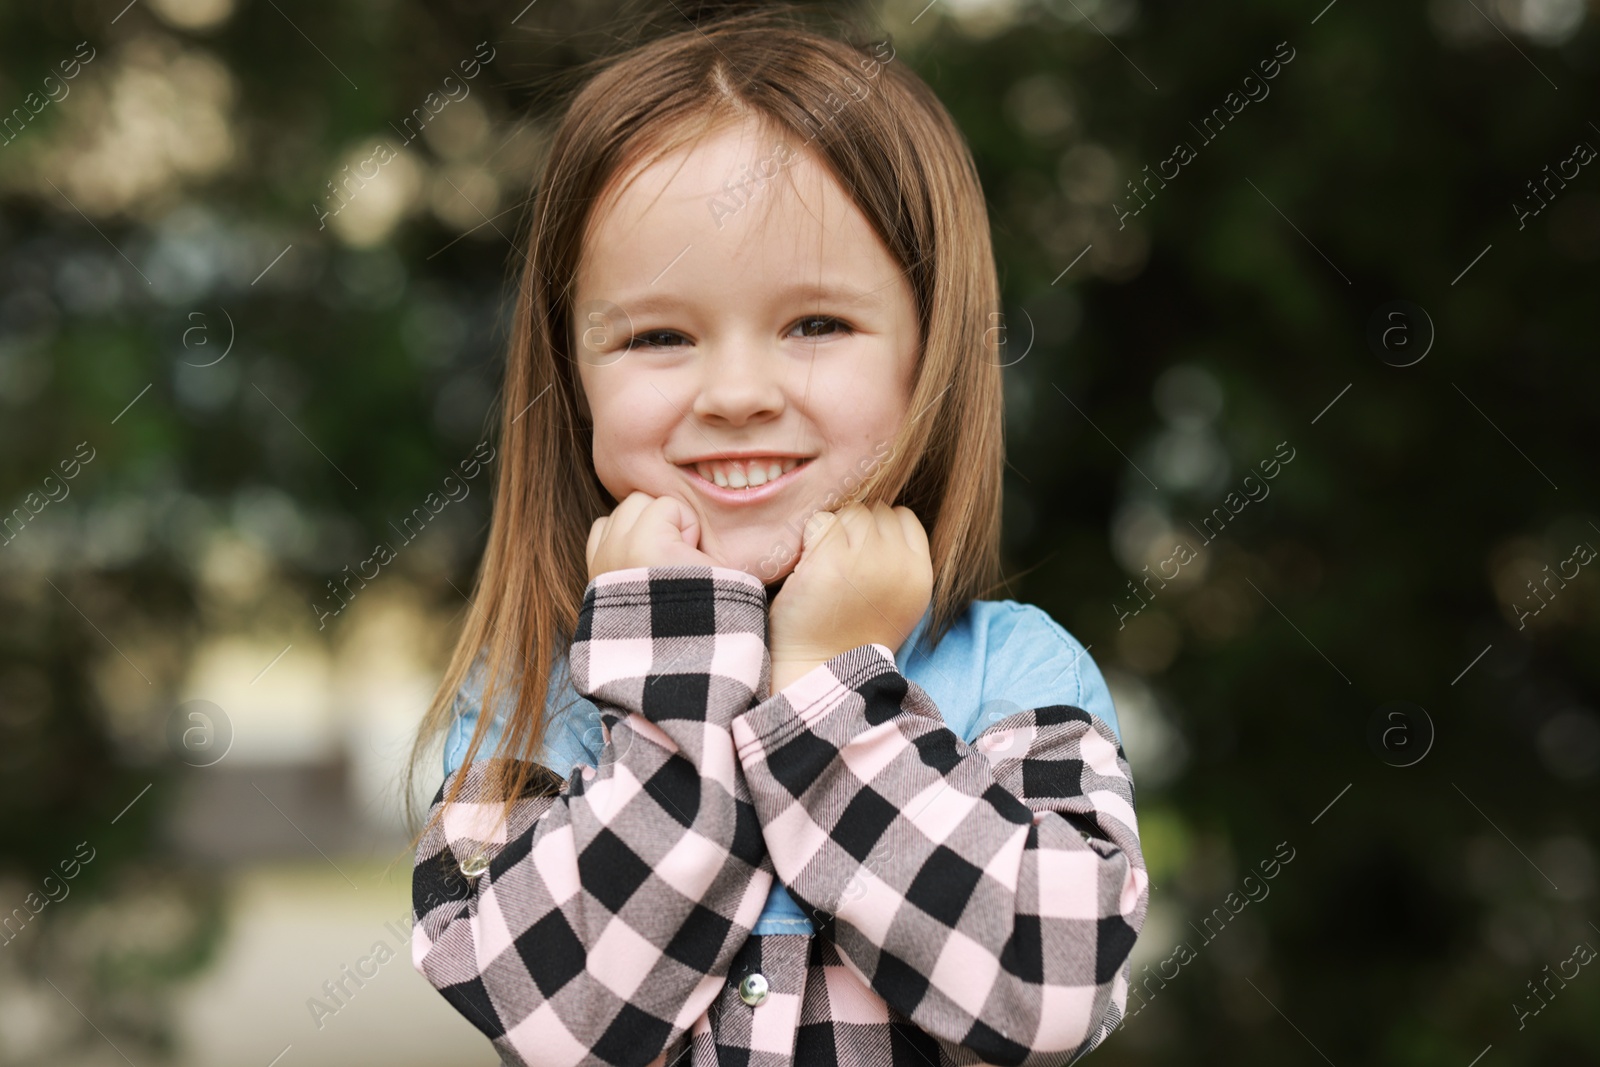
pixel 745 473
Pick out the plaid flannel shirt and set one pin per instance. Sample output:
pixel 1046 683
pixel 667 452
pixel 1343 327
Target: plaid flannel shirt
pixel 972 904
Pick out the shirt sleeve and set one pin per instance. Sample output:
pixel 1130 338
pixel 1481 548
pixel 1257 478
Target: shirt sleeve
pixel 990 892
pixel 597 925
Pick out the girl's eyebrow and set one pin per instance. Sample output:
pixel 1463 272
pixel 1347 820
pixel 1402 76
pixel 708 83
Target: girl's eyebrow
pixel 837 294
pixel 847 295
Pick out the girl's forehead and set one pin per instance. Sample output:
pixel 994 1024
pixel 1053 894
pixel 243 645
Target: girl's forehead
pixel 732 167
pixel 743 192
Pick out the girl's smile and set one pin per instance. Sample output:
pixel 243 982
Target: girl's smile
pixel 748 362
pixel 737 479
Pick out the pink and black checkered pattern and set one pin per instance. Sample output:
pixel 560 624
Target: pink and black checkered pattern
pixel 972 904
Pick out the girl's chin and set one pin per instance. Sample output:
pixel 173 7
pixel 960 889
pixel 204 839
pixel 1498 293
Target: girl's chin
pixel 770 565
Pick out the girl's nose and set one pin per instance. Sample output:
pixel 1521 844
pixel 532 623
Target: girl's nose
pixel 739 383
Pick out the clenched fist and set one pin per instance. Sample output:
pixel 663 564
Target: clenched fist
pixel 865 576
pixel 645 531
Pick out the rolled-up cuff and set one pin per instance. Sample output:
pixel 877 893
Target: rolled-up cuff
pixel 808 700
pixel 676 641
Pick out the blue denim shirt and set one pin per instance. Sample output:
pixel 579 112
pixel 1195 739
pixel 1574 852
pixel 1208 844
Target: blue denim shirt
pixel 998 658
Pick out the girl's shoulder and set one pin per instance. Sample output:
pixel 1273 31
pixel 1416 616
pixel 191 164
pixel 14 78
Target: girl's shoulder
pixel 1031 660
pixel 573 733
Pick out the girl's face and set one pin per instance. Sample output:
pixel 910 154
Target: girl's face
pixel 730 327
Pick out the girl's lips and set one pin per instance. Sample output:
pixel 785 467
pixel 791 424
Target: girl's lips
pixel 738 497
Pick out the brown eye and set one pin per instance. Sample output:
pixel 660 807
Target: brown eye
pixel 819 326
pixel 650 338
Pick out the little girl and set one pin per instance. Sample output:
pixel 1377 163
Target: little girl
pixel 769 783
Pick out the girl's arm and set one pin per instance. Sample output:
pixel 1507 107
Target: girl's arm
pixel 991 893
pixel 606 916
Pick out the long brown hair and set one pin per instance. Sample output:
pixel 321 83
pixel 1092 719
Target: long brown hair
pixel 895 150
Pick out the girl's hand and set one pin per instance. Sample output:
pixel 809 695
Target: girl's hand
pixel 865 576
pixel 645 531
